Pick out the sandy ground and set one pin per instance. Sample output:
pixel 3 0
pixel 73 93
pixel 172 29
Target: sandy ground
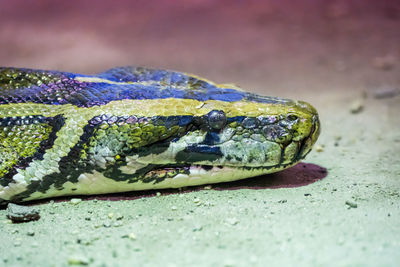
pixel 341 56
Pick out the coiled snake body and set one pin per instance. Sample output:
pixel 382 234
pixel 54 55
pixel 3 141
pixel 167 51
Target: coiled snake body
pixel 135 128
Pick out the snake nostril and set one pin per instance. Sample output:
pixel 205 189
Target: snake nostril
pixel 316 127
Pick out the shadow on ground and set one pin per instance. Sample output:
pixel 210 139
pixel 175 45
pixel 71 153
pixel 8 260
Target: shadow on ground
pixel 300 175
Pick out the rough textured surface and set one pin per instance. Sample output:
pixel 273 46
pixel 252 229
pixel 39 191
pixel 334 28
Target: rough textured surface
pixel 329 54
pixel 17 213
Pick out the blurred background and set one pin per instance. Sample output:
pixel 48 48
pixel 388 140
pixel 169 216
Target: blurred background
pixel 286 48
pixel 342 56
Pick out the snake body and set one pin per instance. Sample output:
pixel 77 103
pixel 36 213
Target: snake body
pixel 135 128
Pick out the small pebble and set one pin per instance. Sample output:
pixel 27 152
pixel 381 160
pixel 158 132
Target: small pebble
pixel 388 92
pixel 336 143
pixel 78 260
pixel 132 236
pixel 351 204
pixel 174 208
pixel 158 194
pixel 356 106
pixel 319 148
pixel 117 224
pixel 75 201
pixel 17 213
pixel 232 221
pixel 197 229
pixel 337 138
pixel 208 187
pixel 30 233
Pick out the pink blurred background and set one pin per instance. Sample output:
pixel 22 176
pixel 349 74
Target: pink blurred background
pixel 272 47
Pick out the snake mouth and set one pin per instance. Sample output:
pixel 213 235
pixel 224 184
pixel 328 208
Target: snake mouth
pixel 202 157
pixel 189 175
pixel 198 158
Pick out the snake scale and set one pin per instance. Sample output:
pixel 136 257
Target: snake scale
pixel 136 128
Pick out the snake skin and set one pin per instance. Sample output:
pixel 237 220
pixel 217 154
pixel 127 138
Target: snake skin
pixel 135 128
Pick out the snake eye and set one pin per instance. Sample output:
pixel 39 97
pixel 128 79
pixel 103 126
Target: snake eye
pixel 216 119
pixel 292 117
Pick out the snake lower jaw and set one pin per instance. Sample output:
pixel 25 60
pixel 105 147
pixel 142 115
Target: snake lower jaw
pixel 161 173
pixel 193 175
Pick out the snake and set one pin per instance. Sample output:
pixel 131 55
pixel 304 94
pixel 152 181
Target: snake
pixel 138 128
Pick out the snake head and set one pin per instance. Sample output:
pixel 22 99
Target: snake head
pixel 233 140
pixel 135 128
pixel 254 135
